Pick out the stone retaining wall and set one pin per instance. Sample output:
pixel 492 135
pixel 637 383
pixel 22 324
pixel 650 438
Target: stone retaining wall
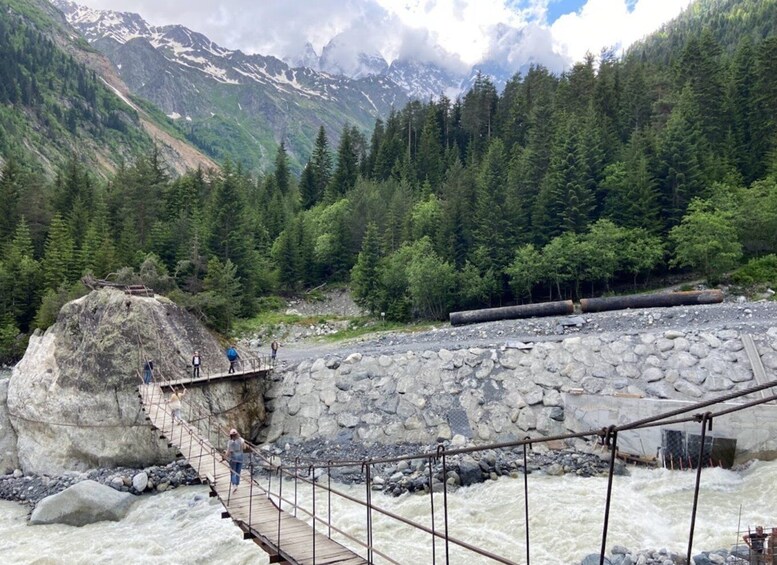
pixel 501 394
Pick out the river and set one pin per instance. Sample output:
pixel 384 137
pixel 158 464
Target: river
pixel 650 509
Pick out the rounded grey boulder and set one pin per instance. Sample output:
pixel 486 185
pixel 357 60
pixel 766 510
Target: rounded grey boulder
pixel 83 503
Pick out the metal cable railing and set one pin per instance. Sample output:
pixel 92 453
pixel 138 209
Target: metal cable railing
pixel 200 421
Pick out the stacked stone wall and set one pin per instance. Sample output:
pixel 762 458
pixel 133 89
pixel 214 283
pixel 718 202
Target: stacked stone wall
pixel 501 393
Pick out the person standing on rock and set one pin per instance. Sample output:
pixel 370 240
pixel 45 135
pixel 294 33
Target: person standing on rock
pixel 196 362
pixel 234 455
pixel 274 346
pixel 175 404
pixel 232 356
pixel 148 371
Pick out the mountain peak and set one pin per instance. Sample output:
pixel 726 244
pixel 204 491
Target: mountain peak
pixel 307 58
pixel 341 57
pixel 120 26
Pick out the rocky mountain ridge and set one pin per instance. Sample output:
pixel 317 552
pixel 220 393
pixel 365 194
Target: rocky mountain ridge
pixel 212 92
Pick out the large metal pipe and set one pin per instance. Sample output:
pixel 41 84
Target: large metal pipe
pixel 560 308
pixel 651 300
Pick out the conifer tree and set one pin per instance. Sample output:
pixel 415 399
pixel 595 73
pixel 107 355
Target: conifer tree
pixel 365 277
pixel 429 166
pixel 765 139
pixel 744 111
pixel 59 265
pixel 286 255
pixel 11 183
pixel 477 114
pixel 346 167
pixel 680 147
pixel 307 187
pixel 281 173
pixel 701 72
pixel 21 282
pixel 492 224
pixel 631 190
pixel 566 201
pixel 321 165
pixel 223 293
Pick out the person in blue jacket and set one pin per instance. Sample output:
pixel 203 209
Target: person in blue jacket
pixel 232 356
pixel 148 371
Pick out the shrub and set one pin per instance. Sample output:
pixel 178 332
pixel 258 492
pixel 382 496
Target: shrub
pixel 761 270
pixel 53 301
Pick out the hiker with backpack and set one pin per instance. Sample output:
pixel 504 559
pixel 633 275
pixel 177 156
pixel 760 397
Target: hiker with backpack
pixel 232 357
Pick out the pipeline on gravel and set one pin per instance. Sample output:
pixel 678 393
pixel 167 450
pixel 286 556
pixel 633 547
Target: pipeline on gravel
pixel 688 298
pixel 560 308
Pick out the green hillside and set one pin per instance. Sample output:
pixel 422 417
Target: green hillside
pixel 570 186
pixel 729 21
pixel 53 105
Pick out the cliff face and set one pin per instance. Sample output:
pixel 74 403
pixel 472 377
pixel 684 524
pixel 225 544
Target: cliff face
pixel 72 399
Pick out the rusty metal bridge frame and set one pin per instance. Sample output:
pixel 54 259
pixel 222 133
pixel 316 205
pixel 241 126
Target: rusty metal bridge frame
pixel 292 533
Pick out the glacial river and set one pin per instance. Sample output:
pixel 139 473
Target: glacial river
pixel 651 509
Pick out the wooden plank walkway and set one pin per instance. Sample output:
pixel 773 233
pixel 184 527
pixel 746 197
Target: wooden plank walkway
pixel 225 376
pixel 286 538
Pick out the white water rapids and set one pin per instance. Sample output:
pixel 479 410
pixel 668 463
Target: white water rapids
pixel 650 509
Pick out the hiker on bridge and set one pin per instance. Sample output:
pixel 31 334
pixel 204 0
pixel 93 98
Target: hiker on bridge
pixel 755 541
pixel 232 356
pixel 234 455
pixel 148 371
pixel 175 404
pixel 274 346
pixel 196 362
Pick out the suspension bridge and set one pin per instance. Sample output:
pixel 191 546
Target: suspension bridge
pixel 295 533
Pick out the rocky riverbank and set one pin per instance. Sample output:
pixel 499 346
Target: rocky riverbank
pixel 461 470
pixel 620 555
pixel 30 489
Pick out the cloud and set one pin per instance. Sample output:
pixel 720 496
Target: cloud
pixel 454 34
pixel 610 23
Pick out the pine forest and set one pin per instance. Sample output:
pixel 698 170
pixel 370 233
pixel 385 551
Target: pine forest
pixel 620 171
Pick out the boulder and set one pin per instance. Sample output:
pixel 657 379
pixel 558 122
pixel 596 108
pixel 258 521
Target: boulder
pixel 83 503
pixel 470 472
pixel 594 559
pixel 140 481
pixel 72 399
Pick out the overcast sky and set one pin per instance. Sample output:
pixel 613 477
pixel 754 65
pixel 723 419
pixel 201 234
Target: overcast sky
pixel 451 32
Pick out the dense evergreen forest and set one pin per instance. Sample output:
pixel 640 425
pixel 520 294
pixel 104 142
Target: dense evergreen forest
pixel 572 185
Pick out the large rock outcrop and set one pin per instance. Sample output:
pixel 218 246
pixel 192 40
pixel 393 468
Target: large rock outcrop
pixel 83 503
pixel 72 399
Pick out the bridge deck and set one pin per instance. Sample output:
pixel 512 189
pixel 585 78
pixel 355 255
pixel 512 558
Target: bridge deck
pixel 285 537
pixel 225 376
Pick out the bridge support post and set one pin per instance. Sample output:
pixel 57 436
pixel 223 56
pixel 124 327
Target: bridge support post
pixel 706 423
pixel 611 438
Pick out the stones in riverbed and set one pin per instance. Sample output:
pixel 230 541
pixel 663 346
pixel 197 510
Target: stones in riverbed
pixel 83 503
pixel 620 555
pixel 30 489
pixel 462 470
